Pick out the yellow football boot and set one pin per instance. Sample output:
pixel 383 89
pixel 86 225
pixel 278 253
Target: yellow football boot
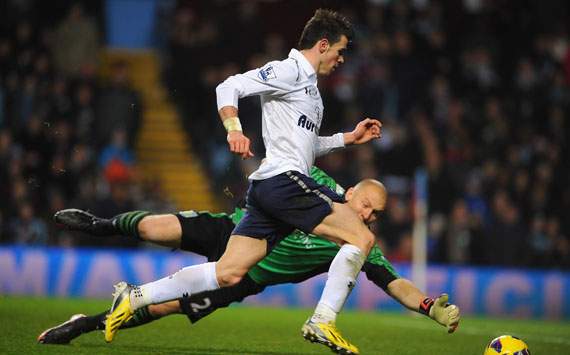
pixel 327 334
pixel 121 310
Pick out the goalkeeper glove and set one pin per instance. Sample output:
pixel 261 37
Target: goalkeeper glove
pixel 441 311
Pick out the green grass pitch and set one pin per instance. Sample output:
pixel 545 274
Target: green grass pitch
pixel 257 331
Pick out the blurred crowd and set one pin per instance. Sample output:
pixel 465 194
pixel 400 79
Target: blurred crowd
pixel 66 137
pixel 475 92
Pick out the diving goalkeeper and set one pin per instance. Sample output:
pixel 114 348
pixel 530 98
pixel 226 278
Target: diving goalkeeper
pixel 207 234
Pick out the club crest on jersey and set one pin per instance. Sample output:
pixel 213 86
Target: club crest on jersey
pixel 307 124
pixel 267 73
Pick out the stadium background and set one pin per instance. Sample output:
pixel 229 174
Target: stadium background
pixel 109 106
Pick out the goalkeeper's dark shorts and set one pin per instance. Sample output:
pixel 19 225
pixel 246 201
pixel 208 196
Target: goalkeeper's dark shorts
pixel 205 233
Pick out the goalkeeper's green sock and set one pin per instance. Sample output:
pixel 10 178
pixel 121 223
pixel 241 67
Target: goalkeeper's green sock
pixel 127 223
pixel 140 317
pixel 97 322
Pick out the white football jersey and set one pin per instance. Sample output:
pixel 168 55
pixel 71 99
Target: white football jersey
pixel 292 112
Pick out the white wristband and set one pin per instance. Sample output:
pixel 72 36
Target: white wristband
pixel 232 124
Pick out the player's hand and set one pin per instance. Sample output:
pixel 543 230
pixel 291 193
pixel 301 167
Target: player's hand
pixel 364 131
pixel 239 144
pixel 445 313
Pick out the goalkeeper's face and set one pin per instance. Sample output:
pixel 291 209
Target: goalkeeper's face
pixel 367 199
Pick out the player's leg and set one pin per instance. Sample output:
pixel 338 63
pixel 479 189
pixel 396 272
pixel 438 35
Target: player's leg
pixel 245 248
pixel 297 200
pixel 205 233
pixel 188 230
pixel 318 210
pixel 162 229
pixel 80 324
pixel 343 226
pixel 195 307
pixel 203 304
pixel 258 231
pixel 79 220
pixel 241 254
pixel 70 329
pixel 208 235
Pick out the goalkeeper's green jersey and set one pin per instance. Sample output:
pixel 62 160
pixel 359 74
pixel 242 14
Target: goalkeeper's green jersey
pixel 300 255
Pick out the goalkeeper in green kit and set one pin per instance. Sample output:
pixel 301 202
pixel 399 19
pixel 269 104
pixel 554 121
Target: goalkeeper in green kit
pixel 297 258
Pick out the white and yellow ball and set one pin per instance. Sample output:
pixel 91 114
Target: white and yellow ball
pixel 507 345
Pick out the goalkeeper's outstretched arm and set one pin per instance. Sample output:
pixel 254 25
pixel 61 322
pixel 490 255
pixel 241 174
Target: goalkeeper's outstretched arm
pixel 438 309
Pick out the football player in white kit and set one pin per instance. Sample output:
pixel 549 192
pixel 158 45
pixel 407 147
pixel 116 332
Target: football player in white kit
pixel 281 195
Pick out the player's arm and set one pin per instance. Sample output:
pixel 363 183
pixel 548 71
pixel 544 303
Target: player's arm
pixel 404 291
pixel 381 272
pixel 438 309
pixel 274 78
pixel 364 131
pixel 237 141
pixel 326 145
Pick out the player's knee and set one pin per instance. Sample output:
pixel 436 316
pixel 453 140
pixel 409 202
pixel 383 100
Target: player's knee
pixel 366 241
pixel 229 278
pixel 370 240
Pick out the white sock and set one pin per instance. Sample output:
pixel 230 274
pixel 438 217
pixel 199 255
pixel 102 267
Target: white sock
pixel 187 281
pixel 341 279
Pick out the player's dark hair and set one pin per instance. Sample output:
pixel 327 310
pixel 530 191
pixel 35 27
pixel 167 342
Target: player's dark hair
pixel 327 24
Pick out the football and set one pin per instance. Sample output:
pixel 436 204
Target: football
pixel 507 345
